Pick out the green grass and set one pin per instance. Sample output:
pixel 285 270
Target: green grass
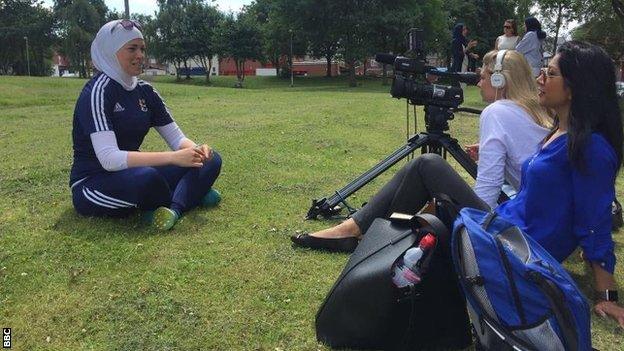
pixel 224 278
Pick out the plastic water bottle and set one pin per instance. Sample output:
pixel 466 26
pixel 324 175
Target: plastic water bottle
pixel 407 270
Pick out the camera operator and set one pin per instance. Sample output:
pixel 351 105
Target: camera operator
pixel 516 124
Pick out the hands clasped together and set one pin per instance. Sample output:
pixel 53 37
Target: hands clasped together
pixel 192 156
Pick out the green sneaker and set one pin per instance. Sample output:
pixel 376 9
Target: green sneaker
pixel 212 198
pixel 164 218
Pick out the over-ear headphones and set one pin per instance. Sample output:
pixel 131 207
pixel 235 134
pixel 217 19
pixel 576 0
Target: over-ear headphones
pixel 497 78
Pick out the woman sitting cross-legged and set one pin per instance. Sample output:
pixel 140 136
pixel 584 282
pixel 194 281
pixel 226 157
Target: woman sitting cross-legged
pixel 511 128
pixel 109 175
pixel 568 185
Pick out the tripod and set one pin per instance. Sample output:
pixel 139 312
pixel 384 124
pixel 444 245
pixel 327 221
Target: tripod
pixel 433 140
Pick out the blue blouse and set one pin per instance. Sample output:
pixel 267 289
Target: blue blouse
pixel 561 207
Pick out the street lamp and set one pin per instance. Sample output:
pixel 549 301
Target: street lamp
pixel 292 77
pixel 27 56
pixel 127 9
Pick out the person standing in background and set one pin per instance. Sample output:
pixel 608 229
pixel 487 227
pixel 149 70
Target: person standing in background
pixel 460 48
pixel 531 44
pixel 510 38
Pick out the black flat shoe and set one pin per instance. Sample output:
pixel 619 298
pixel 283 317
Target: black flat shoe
pixel 333 245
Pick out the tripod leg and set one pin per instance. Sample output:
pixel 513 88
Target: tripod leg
pixel 325 206
pixel 449 144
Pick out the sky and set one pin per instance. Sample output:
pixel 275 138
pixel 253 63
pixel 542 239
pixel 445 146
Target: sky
pixel 148 7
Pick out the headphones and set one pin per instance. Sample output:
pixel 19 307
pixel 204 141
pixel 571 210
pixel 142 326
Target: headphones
pixel 497 78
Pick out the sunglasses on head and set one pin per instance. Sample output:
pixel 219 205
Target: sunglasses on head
pixel 127 25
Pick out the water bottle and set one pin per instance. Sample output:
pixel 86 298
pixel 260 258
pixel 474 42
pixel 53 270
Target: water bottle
pixel 407 270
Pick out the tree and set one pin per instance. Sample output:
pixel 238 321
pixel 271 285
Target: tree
pixel 79 22
pixel 239 39
pixel 354 30
pixel 618 8
pixel 203 19
pixel 472 13
pixel 183 30
pixel 557 12
pixel 169 35
pixel 604 26
pixel 392 22
pixel 279 30
pixel 523 9
pixel 593 9
pixel 317 20
pixel 20 20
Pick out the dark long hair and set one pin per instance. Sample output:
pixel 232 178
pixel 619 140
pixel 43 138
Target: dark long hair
pixel 458 35
pixel 590 74
pixel 533 25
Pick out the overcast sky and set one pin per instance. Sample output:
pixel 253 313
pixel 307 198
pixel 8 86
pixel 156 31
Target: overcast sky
pixel 148 7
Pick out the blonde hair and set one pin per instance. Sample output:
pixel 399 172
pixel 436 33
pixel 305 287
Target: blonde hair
pixel 520 85
pixel 514 26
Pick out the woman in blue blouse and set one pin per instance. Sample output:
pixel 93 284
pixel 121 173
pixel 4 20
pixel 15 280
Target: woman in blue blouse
pixel 115 110
pixel 567 186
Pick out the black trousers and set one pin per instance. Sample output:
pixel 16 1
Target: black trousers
pixel 415 184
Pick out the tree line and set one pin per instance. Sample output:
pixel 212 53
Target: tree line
pixel 349 31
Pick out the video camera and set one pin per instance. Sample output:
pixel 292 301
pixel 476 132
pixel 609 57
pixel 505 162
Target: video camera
pixel 419 91
pixel 440 103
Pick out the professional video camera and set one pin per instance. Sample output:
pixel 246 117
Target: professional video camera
pixel 406 83
pixel 412 78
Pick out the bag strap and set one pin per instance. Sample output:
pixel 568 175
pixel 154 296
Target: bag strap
pixel 488 220
pixel 405 340
pixel 427 220
pixel 562 313
pixel 484 318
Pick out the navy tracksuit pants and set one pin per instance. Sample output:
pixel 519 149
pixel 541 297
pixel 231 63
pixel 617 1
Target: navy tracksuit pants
pixel 117 194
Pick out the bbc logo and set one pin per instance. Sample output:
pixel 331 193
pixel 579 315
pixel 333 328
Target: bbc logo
pixel 6 338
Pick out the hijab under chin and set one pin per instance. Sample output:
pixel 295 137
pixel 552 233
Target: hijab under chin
pixel 104 52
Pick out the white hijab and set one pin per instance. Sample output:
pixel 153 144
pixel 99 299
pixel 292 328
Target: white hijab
pixel 104 49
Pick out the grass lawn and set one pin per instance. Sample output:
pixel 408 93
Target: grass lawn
pixel 224 278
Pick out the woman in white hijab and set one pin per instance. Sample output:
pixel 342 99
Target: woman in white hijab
pixel 115 110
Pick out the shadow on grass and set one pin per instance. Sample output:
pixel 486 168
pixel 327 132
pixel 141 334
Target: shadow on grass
pixel 130 228
pixel 94 228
